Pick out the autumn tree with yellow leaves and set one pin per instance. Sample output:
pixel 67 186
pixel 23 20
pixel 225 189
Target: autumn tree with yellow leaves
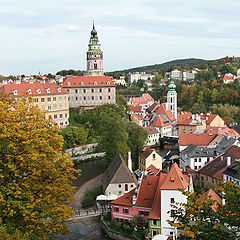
pixel 35 176
pixel 203 218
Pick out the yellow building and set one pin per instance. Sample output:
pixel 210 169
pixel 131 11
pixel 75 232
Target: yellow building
pixel 48 96
pixel 147 157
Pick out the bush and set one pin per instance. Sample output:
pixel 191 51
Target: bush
pixel 89 197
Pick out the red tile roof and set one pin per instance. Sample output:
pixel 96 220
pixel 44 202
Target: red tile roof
pixel 202 139
pixel 214 196
pixel 153 107
pixel 148 97
pixel 175 179
pixel 184 118
pixel 151 130
pixel 125 200
pixel 152 170
pixel 155 212
pixel 162 110
pixel 145 152
pixel 36 89
pixel 208 117
pixel 139 100
pixel 88 81
pixel 160 121
pixel 225 131
pixel 148 185
pixel 135 108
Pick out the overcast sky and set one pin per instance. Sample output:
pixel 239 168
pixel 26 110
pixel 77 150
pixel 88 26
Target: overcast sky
pixel 51 35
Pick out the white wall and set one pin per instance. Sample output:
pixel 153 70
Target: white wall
pixel 166 196
pixel 118 188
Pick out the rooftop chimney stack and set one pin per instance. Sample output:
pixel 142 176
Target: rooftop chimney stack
pixel 129 161
pixel 228 161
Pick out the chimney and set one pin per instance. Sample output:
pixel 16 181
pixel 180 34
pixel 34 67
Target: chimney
pixel 130 162
pixel 228 161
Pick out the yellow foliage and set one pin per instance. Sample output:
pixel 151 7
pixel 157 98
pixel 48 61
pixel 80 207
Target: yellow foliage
pixel 35 181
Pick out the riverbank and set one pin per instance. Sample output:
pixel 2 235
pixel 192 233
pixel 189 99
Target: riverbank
pixel 76 202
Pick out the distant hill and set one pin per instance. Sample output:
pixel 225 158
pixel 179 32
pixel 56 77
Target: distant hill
pixel 189 62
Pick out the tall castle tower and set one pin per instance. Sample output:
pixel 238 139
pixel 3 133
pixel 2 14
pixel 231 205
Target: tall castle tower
pixel 172 98
pixel 94 56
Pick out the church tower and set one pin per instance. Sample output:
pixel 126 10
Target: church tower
pixel 172 98
pixel 94 56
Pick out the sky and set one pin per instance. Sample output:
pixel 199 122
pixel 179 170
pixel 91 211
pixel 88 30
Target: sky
pixel 50 35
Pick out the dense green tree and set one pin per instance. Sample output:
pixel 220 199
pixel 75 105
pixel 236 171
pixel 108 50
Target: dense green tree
pixel 198 219
pixel 136 138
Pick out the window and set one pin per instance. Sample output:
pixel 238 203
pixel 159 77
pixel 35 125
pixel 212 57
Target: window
pixel 119 185
pixel 54 98
pixel 154 155
pixel 141 212
pixel 42 99
pixel 154 233
pixel 195 159
pixel 109 90
pixel 95 66
pixel 55 116
pixel 49 107
pixel 92 90
pixel 172 200
pixel 131 185
pixel 84 98
pixel 109 97
pixel 208 159
pixel 120 192
pixel 76 98
pixel 116 209
pixel 60 98
pixel 100 97
pixel 84 90
pixel 92 98
pixel 146 213
pixel 202 178
pixel 60 106
pixel 125 210
pixel 154 222
pixel 60 116
pixel 195 167
pixel 65 115
pixel 36 99
pixel 76 91
pixel 126 187
pixel 100 90
pixel 199 159
pixel 172 212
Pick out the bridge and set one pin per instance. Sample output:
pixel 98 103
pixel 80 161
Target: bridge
pixel 169 139
pixel 86 213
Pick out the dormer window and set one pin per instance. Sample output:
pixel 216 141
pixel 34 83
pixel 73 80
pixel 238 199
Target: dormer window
pixel 95 83
pixel 59 89
pixel 108 82
pixel 81 83
pixel 15 92
pixel 38 91
pixel 68 83
pixel 47 90
pixel 29 91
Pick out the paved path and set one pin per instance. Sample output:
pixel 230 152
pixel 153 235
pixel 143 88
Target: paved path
pixel 76 202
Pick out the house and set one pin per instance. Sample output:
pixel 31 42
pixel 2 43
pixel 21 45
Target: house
pixel 148 157
pixel 118 177
pixel 152 200
pixel 153 136
pixel 196 156
pixel 212 120
pixel 163 126
pixel 50 97
pixel 232 173
pixel 228 78
pixel 90 91
pixel 135 109
pixel 203 139
pixel 209 174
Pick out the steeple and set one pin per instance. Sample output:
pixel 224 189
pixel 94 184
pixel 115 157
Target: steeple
pixel 94 55
pixel 172 98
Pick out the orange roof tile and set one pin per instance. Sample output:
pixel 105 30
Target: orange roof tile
pixel 160 121
pixel 202 139
pixel 147 191
pixel 162 110
pixel 145 152
pixel 125 200
pixel 175 179
pixel 36 88
pixel 152 170
pixel 214 196
pixel 88 81
pixel 135 108
pixel 148 97
pixel 139 100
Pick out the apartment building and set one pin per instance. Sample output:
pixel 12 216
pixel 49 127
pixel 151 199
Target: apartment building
pixel 50 97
